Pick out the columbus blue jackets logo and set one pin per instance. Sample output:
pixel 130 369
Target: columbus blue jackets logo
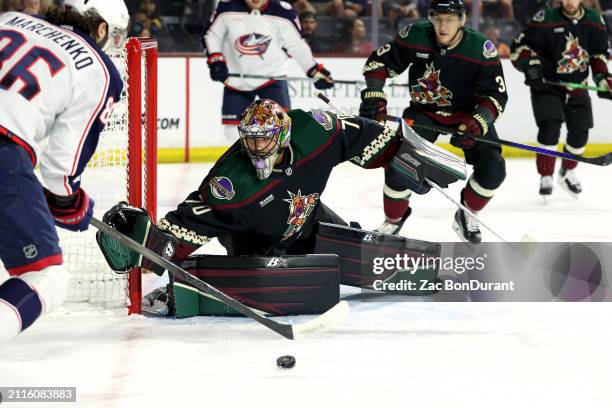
pixel 574 58
pixel 300 207
pixel 430 90
pixel 253 44
pixel 222 188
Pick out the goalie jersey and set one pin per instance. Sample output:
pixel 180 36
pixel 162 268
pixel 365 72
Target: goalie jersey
pixel 57 87
pixel 256 41
pixel 257 215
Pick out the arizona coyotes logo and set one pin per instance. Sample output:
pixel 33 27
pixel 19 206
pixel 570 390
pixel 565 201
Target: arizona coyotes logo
pixel 430 90
pixel 300 207
pixel 575 58
pixel 253 44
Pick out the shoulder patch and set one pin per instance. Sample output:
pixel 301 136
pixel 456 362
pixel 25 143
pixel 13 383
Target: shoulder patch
pixel 405 31
pixel 489 50
pixel 540 16
pixel 323 119
pixel 222 188
pixel 285 5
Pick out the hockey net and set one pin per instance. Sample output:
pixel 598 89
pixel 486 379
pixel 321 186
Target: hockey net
pixel 122 169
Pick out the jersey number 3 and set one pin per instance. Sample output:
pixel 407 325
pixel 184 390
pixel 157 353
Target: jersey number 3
pixel 22 69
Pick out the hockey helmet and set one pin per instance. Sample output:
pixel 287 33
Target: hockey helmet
pixel 447 7
pixel 114 13
pixel 264 129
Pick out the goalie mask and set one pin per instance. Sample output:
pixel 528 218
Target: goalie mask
pixel 113 12
pixel 265 130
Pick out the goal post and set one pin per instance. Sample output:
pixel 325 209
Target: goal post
pixel 141 56
pixel 123 168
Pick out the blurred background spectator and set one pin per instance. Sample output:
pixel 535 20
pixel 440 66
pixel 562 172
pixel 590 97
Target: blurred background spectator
pixel 308 22
pixel 356 43
pixel 339 26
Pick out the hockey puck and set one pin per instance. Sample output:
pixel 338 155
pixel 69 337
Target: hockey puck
pixel 285 361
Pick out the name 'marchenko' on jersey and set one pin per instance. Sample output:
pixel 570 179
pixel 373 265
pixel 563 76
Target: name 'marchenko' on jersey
pixel 65 39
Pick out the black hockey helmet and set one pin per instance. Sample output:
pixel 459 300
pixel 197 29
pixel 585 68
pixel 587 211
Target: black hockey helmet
pixel 447 7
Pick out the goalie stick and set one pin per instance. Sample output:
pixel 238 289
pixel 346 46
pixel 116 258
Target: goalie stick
pixel 329 319
pixel 603 160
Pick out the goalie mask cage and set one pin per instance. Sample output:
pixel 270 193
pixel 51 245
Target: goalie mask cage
pixel 124 168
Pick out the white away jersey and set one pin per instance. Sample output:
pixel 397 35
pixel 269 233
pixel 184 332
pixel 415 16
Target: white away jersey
pixel 253 41
pixel 55 84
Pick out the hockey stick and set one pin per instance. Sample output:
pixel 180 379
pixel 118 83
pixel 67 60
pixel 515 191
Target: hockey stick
pixel 464 208
pixel 604 160
pixel 331 318
pixel 575 85
pixel 431 183
pixel 291 78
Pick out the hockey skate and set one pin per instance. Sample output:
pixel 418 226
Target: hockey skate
pixel 392 228
pixel 466 227
pixel 546 187
pixel 156 302
pixel 569 182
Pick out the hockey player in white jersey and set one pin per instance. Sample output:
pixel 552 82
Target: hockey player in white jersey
pixel 57 90
pixel 254 37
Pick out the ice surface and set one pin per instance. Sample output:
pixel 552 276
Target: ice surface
pixel 385 355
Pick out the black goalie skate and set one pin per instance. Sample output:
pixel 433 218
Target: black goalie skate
pixel 466 227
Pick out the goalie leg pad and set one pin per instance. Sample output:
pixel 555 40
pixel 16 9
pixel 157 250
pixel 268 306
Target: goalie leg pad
pixel 358 250
pixel 287 285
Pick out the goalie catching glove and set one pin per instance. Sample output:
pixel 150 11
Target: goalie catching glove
pixel 134 223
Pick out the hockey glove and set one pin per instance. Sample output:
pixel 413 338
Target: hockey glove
pixel 469 124
pixel 71 212
pixel 534 76
pixel 604 82
pixel 373 104
pixel 218 67
pixel 323 77
pixel 136 224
